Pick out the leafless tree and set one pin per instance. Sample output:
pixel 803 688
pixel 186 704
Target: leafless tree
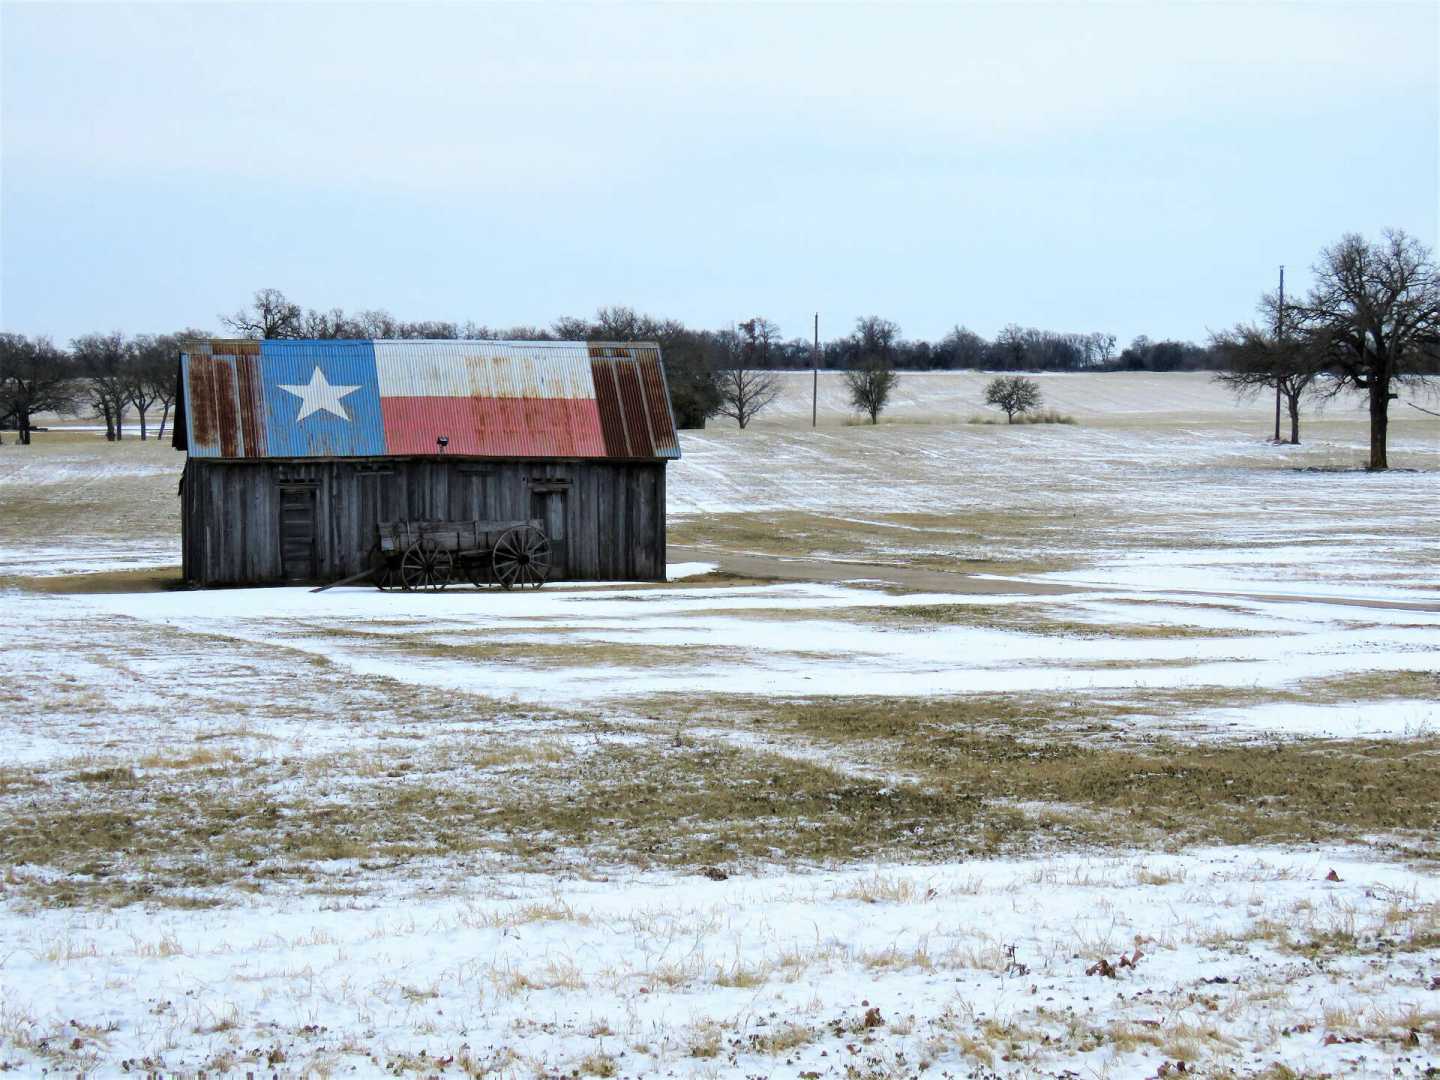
pixel 431 330
pixel 758 338
pixel 270 315
pixel 1099 349
pixel 1257 360
pixel 34 377
pixel 1014 394
pixel 102 361
pixel 964 348
pixel 875 336
pixel 152 376
pixel 1373 316
pixel 1010 347
pixel 620 323
pixel 164 381
pixel 870 386
pixel 140 389
pixel 324 325
pixel 745 392
pixel 376 324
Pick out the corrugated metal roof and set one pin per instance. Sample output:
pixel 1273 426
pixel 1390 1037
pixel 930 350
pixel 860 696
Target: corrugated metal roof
pixel 296 399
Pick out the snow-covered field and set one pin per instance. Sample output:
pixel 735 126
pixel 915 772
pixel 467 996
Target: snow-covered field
pixel 1217 956
pixel 1082 822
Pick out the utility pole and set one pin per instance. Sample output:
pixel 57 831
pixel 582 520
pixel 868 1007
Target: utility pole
pixel 1280 349
pixel 815 373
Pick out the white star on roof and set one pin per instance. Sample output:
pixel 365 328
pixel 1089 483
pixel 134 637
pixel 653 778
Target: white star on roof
pixel 319 396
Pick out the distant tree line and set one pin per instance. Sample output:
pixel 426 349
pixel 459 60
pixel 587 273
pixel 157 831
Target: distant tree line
pixel 710 372
pixel 757 340
pixel 722 372
pixel 102 375
pixel 731 371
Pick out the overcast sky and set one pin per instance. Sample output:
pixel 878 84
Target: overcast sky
pixel 1131 168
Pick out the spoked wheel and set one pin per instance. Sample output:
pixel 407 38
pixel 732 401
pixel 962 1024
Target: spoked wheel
pixel 425 565
pixel 381 572
pixel 522 557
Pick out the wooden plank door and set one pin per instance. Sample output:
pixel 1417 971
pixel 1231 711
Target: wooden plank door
pixel 299 535
pixel 549 505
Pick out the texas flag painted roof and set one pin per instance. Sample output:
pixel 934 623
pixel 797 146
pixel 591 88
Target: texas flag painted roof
pixel 533 399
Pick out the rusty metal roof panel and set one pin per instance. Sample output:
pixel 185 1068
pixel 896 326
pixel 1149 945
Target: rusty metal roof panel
pixel 248 399
pixel 656 395
pixel 635 403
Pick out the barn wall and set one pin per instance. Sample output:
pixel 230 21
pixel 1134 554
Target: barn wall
pixel 610 515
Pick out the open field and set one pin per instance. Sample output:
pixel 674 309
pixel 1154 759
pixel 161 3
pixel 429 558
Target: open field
pixel 1034 758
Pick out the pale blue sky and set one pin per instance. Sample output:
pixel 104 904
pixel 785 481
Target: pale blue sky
pixel 1121 167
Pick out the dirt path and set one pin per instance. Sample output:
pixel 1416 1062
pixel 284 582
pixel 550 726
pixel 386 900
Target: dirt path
pixel 774 566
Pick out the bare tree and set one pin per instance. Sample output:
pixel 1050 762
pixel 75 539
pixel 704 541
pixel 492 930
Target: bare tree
pixel 139 389
pixel 1010 348
pixel 151 363
pixel 270 315
pixel 376 324
pixel 1013 393
pixel 620 323
pixel 325 325
pixel 745 392
pixel 164 381
pixel 34 377
pixel 758 338
pixel 1373 316
pixel 1099 349
pixel 875 336
pixel 964 348
pixel 870 386
pixel 1256 360
pixel 871 377
pixel 102 362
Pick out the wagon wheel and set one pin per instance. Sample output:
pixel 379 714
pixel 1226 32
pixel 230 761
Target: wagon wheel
pixel 522 557
pixel 381 572
pixel 425 565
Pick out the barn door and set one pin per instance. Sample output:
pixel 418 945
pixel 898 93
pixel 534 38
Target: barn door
pixel 298 532
pixel 548 505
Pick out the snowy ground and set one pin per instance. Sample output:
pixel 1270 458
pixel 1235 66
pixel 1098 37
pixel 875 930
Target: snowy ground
pixel 1283 664
pixel 722 827
pixel 875 971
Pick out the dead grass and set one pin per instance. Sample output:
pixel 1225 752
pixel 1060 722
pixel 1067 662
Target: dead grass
pixel 1373 685
pixel 570 653
pixel 986 775
pixel 159 579
pixel 1018 541
pixel 1027 751
pixel 88 491
pixel 63 434
pixel 1037 618
pixel 1326 929
pixel 1040 416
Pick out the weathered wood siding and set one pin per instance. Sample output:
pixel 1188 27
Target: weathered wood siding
pixel 609 516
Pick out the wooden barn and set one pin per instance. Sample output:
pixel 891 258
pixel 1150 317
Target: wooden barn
pixel 300 454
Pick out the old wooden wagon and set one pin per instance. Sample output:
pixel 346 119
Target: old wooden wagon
pixel 434 554
pixel 299 454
